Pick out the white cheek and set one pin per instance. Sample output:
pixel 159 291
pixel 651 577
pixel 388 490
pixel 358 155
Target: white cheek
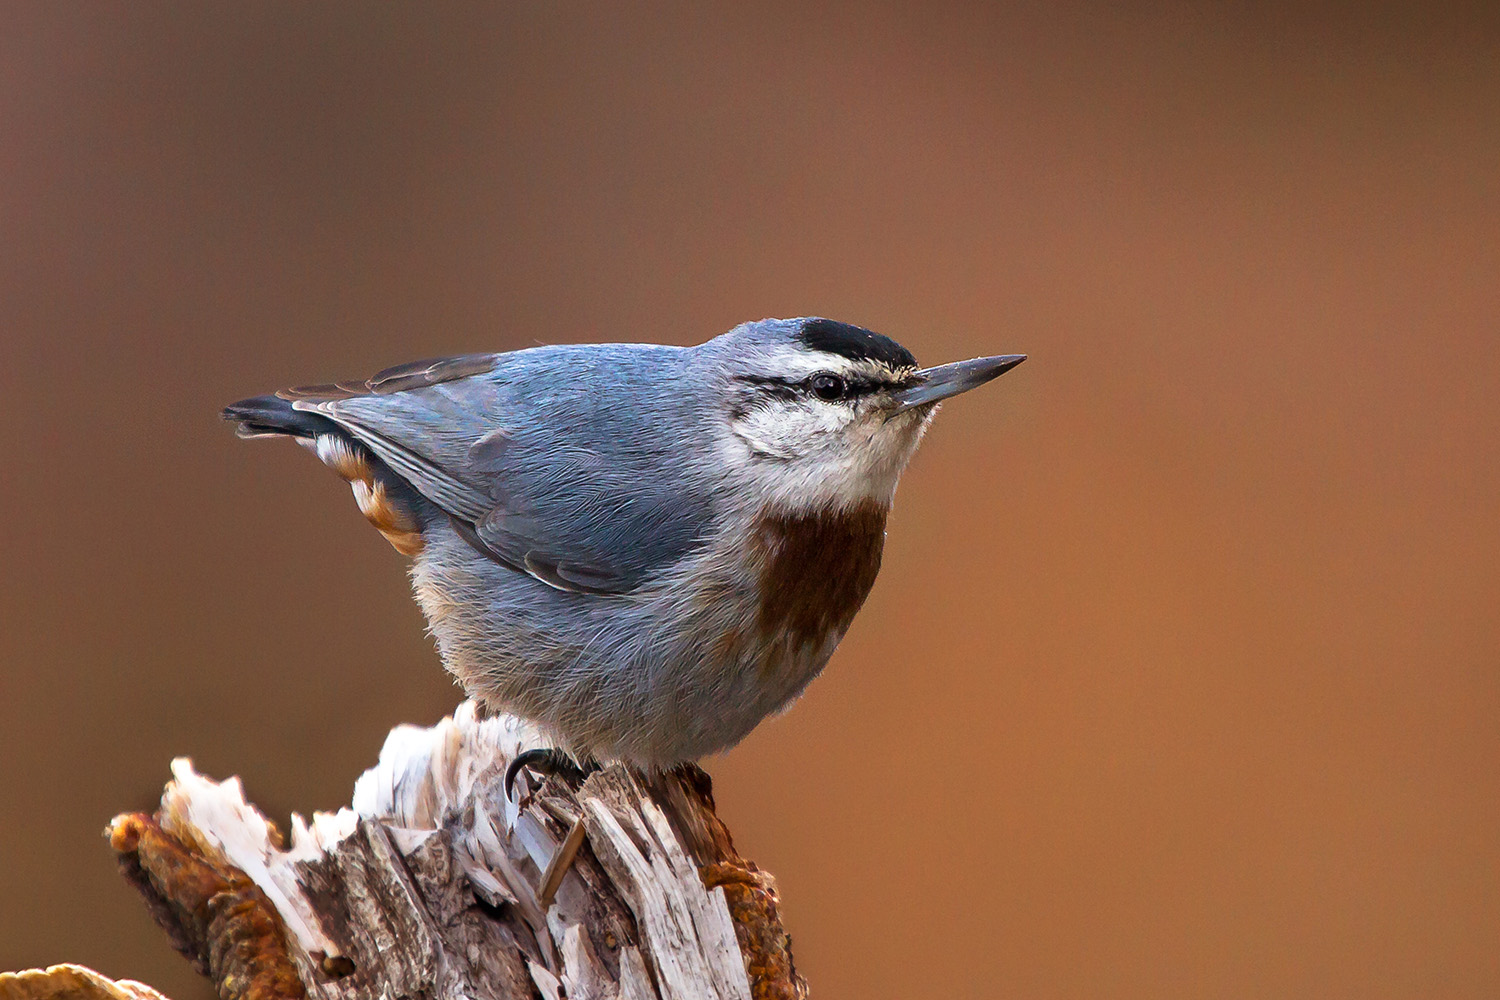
pixel 789 432
pixel 762 437
pixel 823 455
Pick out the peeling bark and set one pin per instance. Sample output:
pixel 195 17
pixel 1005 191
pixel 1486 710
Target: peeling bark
pixel 433 886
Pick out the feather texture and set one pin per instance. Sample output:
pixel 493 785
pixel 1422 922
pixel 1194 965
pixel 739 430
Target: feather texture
pixel 644 549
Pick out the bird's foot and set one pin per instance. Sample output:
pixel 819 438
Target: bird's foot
pixel 546 761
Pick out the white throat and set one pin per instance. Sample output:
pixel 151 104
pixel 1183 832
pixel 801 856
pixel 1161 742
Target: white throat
pixel 815 455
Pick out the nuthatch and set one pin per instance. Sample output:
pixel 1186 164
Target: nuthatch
pixel 644 549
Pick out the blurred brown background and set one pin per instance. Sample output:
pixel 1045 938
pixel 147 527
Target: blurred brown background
pixel 1183 674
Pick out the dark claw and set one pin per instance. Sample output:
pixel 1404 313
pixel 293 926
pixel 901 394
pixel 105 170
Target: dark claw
pixel 545 760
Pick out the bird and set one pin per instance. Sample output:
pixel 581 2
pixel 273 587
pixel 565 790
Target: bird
pixel 643 549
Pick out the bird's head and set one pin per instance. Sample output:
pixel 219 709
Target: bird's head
pixel 824 414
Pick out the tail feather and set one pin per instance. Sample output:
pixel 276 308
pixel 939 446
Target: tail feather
pixel 386 499
pixel 272 416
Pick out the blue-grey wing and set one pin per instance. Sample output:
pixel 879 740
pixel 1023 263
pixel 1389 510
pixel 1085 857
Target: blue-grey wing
pixel 564 463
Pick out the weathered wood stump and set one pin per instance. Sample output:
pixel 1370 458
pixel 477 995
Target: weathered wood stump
pixel 433 885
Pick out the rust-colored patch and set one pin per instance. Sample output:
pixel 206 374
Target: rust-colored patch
pixel 728 644
pixel 816 568
pixel 351 462
pixel 405 542
pixel 215 915
pixel 398 527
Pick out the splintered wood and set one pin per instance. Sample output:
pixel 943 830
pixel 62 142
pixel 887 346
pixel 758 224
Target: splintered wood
pixel 433 885
pixel 71 982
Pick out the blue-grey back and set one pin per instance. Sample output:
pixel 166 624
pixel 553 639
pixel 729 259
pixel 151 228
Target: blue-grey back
pixel 582 464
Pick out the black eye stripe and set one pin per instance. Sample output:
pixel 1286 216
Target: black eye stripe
pixel 853 388
pixel 778 388
pixel 786 388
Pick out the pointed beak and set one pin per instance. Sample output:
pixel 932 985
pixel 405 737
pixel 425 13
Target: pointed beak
pixel 949 380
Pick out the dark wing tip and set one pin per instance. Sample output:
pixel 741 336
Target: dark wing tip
pixel 418 374
pixel 322 393
pixel 266 411
pixel 273 416
pixel 412 375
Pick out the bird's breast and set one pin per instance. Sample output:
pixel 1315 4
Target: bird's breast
pixel 815 570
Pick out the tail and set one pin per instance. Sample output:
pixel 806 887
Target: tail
pixel 272 416
pixel 386 499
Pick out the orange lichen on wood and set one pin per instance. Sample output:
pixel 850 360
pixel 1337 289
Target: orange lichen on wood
pixel 754 907
pixel 213 913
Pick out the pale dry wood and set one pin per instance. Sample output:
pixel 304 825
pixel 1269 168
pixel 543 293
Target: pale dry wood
pixel 433 885
pixel 71 982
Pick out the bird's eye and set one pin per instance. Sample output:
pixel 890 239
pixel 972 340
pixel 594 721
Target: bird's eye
pixel 827 387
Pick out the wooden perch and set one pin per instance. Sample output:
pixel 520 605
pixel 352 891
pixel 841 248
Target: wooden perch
pixel 433 885
pixel 70 982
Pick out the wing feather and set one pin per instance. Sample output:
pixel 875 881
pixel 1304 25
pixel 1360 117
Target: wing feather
pixel 529 455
